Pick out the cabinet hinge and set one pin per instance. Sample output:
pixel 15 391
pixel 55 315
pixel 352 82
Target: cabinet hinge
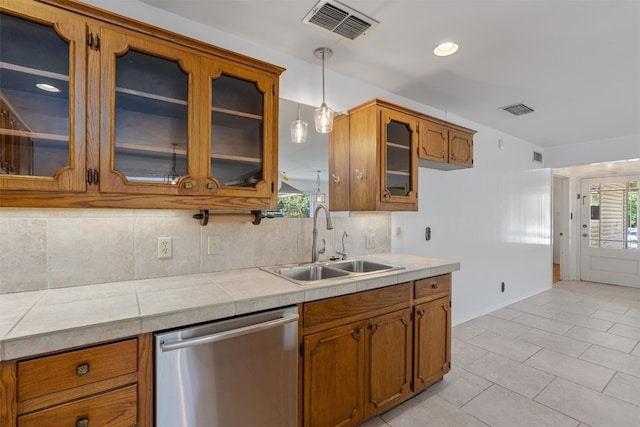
pixel 411 316
pixel 449 304
pixel 93 41
pixel 301 349
pixel 273 188
pixel 273 89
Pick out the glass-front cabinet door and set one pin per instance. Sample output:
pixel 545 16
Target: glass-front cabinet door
pixel 147 116
pixel 399 158
pixel 239 129
pixel 43 58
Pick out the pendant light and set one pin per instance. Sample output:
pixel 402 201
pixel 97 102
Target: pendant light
pixel 318 196
pixel 298 129
pixel 173 176
pixel 324 115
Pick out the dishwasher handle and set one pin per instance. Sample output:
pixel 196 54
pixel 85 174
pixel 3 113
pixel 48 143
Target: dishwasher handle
pixel 232 333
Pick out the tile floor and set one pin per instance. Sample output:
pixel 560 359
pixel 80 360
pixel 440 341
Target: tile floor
pixel 569 356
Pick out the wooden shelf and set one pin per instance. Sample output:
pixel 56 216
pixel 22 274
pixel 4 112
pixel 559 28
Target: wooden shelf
pixel 33 71
pixel 237 113
pixel 35 135
pixel 236 158
pixel 398 173
pixel 150 148
pixel 394 145
pixel 151 96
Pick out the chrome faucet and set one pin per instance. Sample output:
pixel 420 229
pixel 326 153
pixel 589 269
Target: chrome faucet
pixel 314 247
pixel 343 253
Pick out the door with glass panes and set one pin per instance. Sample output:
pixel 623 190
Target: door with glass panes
pixel 609 230
pixel 43 58
pixel 147 115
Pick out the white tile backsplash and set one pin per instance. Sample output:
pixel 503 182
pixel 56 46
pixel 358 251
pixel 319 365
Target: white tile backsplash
pixel 55 248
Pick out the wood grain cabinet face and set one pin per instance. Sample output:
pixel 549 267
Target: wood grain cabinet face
pixel 434 141
pixel 461 148
pixel 334 376
pixel 140 112
pixel 380 143
pixel 364 353
pixel 389 343
pixel 42 129
pixel 432 348
pixel 103 385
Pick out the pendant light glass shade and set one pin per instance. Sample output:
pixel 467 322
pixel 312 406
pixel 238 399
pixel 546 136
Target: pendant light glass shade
pixel 318 196
pixel 299 129
pixel 324 119
pixel 323 116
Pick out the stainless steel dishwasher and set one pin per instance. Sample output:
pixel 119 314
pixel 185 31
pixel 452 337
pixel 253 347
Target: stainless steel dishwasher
pixel 240 372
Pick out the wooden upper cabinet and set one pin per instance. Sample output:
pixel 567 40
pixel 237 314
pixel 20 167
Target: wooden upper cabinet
pixel 381 139
pixel 43 58
pixel 147 115
pixel 175 122
pixel 444 145
pixel 241 153
pixel 461 148
pixel 434 141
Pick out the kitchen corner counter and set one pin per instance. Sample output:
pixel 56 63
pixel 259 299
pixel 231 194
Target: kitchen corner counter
pixel 38 322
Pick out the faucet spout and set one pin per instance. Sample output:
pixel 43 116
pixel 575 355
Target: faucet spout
pixel 315 252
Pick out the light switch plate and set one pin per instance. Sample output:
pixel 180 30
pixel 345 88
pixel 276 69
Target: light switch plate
pixel 213 245
pixel 371 241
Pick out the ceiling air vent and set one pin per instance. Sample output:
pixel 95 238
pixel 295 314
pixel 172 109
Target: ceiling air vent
pixel 517 109
pixel 339 19
pixel 537 157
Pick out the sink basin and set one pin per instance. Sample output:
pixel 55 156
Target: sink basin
pixel 361 266
pixel 308 273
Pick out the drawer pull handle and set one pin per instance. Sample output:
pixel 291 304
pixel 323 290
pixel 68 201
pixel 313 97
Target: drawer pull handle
pixel 434 286
pixel 82 370
pixel 82 422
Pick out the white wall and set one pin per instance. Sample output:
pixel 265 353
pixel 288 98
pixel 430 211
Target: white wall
pixel 494 218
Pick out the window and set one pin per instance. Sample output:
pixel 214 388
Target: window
pixel 614 215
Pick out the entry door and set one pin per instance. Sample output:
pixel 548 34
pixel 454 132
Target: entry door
pixel 609 231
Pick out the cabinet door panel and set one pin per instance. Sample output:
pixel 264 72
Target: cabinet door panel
pixel 460 148
pixel 432 354
pixel 43 57
pixel 334 377
pixel 241 131
pixel 147 116
pixel 388 366
pixel 398 157
pixel 434 142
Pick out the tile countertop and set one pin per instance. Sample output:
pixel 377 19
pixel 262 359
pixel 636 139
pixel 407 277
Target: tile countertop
pixel 38 322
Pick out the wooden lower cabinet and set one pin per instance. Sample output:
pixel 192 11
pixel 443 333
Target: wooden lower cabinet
pixel 102 385
pixel 432 334
pixel 388 365
pixel 364 353
pixel 334 376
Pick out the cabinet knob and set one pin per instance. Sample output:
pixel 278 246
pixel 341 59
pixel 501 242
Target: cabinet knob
pixel 336 178
pixel 82 422
pixel 360 175
pixel 210 186
pixel 434 285
pixel 82 369
pixel 188 185
pixel 421 313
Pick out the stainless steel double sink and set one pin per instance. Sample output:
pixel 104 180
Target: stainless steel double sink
pixel 307 274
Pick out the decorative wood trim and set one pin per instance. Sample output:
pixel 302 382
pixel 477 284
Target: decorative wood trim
pixel 145 380
pixel 8 394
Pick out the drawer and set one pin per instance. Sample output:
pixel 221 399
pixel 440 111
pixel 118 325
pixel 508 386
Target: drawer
pixel 350 307
pixel 433 285
pixel 117 408
pixel 50 374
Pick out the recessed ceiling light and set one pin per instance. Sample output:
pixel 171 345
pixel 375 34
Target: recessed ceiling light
pixel 47 87
pixel 445 49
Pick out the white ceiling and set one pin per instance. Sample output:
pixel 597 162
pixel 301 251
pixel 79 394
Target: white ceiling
pixel 575 62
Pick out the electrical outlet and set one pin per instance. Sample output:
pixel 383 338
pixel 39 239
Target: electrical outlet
pixel 213 245
pixel 164 247
pixel 371 241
